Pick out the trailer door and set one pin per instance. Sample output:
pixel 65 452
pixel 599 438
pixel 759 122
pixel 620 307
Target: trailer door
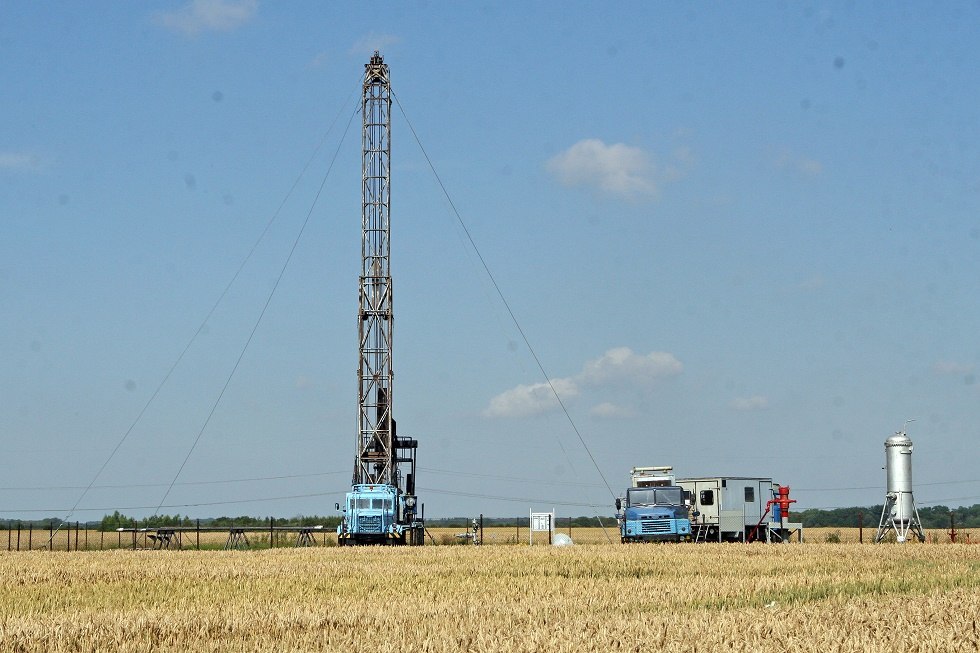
pixel 706 497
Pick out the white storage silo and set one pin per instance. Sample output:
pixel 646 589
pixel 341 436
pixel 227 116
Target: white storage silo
pixel 899 513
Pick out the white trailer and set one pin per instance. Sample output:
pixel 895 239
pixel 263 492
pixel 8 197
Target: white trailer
pixel 727 508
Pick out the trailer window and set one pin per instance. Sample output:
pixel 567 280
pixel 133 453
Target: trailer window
pixel 707 497
pixel 749 495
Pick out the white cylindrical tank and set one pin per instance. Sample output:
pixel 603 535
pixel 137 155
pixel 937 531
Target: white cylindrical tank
pixel 898 463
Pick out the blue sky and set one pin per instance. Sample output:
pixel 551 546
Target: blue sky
pixel 740 239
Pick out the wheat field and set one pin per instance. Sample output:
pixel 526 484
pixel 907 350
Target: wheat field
pixel 814 597
pixel 498 535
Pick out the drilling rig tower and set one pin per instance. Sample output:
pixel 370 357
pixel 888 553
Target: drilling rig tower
pixel 381 507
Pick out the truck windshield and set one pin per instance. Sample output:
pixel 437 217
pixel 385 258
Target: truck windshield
pixel 375 503
pixel 661 496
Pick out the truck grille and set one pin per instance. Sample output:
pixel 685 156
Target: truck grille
pixel 654 526
pixel 369 524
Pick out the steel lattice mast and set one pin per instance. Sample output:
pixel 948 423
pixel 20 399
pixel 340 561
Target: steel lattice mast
pixel 376 461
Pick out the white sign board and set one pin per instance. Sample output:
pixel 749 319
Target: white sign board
pixel 541 522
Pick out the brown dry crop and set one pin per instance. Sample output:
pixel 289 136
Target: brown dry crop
pixel 814 597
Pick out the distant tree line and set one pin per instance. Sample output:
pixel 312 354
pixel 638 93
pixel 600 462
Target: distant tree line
pixel 931 516
pixel 118 520
pixel 513 522
pixel 42 524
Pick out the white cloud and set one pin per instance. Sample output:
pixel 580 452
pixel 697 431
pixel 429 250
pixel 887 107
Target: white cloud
pixel 616 366
pixel 368 44
pixel 815 282
pixel 525 400
pixel 809 167
pixel 208 15
pixel 756 402
pixel 22 161
pixel 610 410
pixel 951 368
pixel 622 364
pixel 803 166
pixel 321 59
pixel 618 169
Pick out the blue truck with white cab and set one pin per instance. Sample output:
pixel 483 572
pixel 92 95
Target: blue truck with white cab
pixel 654 509
pixel 385 513
pixel 379 514
pixel 376 514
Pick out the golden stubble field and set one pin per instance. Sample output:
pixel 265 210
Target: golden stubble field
pixel 498 535
pixel 814 597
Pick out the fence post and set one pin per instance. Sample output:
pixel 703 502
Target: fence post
pixel 271 532
pixel 30 535
pixel 198 534
pixel 860 528
pixel 51 535
pixel 18 534
pixel 9 524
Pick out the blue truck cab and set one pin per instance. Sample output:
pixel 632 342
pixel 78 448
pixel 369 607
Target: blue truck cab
pixel 378 514
pixel 653 514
